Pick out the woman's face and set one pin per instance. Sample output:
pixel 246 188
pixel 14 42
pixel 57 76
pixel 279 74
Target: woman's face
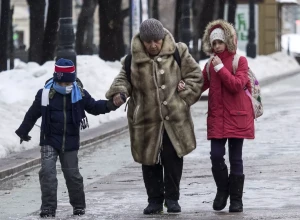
pixel 153 47
pixel 218 46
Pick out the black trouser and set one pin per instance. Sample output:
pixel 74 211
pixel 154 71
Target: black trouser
pixel 162 180
pixel 48 180
pixel 235 148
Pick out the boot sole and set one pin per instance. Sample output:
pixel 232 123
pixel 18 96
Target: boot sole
pixel 154 213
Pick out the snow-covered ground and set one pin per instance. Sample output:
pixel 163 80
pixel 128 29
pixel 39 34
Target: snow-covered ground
pixel 19 86
pixel 291 41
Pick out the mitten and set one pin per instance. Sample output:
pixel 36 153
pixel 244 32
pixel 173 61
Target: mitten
pixel 110 105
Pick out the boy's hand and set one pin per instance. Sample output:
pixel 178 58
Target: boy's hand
pixel 111 106
pixel 25 138
pixel 119 99
pixel 181 86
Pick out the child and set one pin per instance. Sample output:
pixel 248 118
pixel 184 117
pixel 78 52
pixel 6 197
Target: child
pixel 230 113
pixel 62 104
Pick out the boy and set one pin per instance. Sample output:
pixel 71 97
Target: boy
pixel 62 104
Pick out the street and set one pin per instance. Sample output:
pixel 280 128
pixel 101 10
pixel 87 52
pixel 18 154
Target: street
pixel 115 190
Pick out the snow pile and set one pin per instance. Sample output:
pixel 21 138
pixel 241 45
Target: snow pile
pixel 291 42
pixel 19 86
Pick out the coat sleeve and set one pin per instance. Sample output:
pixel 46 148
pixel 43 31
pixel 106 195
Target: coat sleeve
pixel 120 83
pixel 94 107
pixel 235 82
pixel 205 80
pixel 191 74
pixel 31 116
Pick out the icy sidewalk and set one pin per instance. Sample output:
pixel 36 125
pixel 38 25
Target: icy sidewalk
pixel 271 164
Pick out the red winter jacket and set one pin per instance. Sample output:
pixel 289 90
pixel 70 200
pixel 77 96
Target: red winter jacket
pixel 230 113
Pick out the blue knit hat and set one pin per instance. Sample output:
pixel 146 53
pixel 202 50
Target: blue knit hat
pixel 64 71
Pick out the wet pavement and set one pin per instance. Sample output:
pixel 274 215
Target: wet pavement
pixel 114 185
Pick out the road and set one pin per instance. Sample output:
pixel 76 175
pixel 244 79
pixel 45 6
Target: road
pixel 114 185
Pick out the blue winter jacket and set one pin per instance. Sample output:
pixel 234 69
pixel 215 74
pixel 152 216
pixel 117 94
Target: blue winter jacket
pixel 63 135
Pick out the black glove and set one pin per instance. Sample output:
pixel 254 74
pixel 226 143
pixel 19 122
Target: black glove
pixel 24 138
pixel 110 105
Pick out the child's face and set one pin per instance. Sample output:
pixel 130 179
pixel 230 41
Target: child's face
pixel 64 84
pixel 218 46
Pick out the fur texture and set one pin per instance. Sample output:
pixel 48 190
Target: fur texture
pixel 155 104
pixel 230 36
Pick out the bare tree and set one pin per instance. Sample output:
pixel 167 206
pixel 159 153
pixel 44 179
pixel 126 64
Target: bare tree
pixel 111 29
pixel 197 7
pixel 207 15
pixel 221 7
pixel 85 27
pixel 50 34
pixel 37 17
pixel 178 13
pixel 231 11
pixel 5 9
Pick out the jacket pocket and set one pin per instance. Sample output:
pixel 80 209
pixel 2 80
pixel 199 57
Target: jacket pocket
pixel 239 118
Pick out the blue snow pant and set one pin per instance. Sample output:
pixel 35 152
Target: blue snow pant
pixel 48 180
pixel 235 147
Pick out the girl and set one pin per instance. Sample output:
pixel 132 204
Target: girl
pixel 230 113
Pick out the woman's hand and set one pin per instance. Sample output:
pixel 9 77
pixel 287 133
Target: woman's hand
pixel 181 86
pixel 216 60
pixel 118 100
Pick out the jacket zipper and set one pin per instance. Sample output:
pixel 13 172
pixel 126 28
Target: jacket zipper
pixel 65 126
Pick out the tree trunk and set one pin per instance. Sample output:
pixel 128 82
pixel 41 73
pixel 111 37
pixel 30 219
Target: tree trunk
pixel 50 35
pixel 37 17
pixel 5 8
pixel 178 13
pixel 155 9
pixel 197 7
pixel 221 9
pixel 111 30
pixel 85 28
pixel 10 40
pixel 231 11
pixel 205 18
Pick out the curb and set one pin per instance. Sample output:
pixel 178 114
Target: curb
pixel 23 161
pixel 268 80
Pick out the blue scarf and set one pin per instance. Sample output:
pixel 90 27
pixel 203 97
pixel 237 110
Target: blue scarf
pixel 78 114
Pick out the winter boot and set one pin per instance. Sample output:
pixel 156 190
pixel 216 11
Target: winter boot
pixel 172 206
pixel 78 211
pixel 236 185
pixel 153 208
pixel 45 213
pixel 221 179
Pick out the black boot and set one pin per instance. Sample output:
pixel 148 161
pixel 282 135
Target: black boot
pixel 153 208
pixel 236 186
pixel 221 179
pixel 172 206
pixel 45 213
pixel 78 211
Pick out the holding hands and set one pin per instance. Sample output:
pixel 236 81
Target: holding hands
pixel 181 86
pixel 119 99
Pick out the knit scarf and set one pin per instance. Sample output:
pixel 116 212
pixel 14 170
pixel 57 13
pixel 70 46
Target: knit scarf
pixel 78 114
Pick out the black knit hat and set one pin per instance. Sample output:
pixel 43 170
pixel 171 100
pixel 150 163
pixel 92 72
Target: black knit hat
pixel 151 29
